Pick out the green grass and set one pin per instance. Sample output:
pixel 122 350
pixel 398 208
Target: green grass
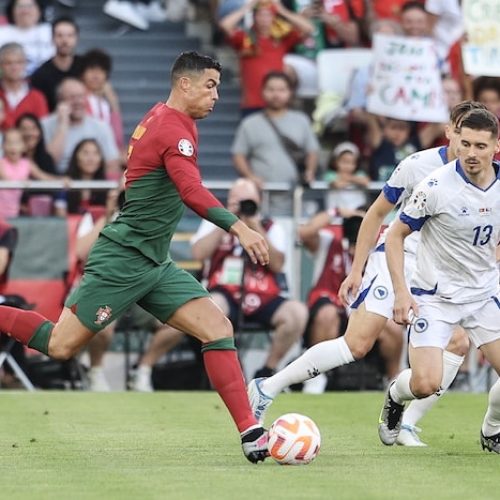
pixel 183 446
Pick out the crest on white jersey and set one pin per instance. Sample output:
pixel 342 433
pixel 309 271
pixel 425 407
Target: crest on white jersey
pixel 420 200
pixel 185 147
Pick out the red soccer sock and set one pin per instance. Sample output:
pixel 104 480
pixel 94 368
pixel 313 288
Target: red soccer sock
pixel 224 372
pixel 19 324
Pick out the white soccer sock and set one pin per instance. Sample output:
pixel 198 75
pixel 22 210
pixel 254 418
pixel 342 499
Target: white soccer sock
pixel 419 407
pixel 318 359
pixel 400 391
pixel 491 423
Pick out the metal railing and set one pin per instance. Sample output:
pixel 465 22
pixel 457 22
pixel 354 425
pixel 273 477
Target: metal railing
pixel 316 191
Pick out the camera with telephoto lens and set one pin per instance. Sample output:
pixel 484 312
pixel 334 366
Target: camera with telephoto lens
pixel 248 208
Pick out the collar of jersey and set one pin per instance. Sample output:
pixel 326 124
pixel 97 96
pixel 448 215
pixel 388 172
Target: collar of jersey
pixel 461 173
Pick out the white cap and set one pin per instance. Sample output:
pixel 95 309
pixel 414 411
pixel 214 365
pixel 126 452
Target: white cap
pixel 345 147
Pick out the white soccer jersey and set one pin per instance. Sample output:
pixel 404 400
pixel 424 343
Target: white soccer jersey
pixel 403 180
pixel 460 229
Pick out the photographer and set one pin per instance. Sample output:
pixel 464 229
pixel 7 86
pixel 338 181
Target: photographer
pixel 260 297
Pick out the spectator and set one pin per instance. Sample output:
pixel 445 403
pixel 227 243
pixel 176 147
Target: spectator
pixel 64 64
pixel 262 48
pixel 17 96
pixel 15 167
pixel 334 27
pixel 70 124
pixel 391 141
pixel 447 25
pixel 102 101
pixel 86 163
pixel 140 13
pixel 31 129
pixel 259 152
pixel 27 28
pixel 487 91
pixel 260 300
pixel 345 178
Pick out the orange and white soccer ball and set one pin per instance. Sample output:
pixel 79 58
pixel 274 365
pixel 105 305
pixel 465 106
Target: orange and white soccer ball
pixel 294 439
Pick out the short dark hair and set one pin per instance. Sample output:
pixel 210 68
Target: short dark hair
pixel 413 4
pixel 481 119
pixel 9 10
pixel 277 75
pixel 462 108
pixel 65 20
pixel 192 62
pixel 485 83
pixel 97 58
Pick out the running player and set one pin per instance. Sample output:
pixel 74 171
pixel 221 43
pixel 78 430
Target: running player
pixel 456 280
pixel 373 306
pixel 130 261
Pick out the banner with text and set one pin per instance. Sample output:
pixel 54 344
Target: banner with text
pixel 481 53
pixel 406 82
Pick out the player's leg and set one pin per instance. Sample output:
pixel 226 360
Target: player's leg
pixel 179 300
pixel 390 343
pixel 482 327
pixel 429 335
pixel 453 358
pixel 324 324
pixel 60 341
pixel 490 430
pixel 362 332
pixel 421 380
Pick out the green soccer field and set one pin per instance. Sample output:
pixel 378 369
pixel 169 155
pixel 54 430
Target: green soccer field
pixel 183 446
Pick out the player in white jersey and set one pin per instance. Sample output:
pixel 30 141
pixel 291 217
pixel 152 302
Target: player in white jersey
pixel 365 324
pixel 456 281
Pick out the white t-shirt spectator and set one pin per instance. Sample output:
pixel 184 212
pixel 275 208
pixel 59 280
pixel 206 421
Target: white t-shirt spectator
pixel 36 42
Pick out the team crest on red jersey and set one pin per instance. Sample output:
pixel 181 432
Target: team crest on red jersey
pixel 185 147
pixel 102 315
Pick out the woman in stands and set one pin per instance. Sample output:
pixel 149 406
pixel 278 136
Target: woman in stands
pixel 86 163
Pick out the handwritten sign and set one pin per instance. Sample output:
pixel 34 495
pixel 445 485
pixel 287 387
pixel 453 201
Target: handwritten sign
pixel 406 82
pixel 481 53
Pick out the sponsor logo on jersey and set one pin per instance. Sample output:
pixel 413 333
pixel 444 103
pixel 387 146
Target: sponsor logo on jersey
pixel 380 292
pixel 185 147
pixel 420 200
pixel 432 182
pixel 102 315
pixel 420 325
pixel 485 211
pixel 464 211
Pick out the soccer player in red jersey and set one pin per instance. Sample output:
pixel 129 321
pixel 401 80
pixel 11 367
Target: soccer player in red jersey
pixel 130 261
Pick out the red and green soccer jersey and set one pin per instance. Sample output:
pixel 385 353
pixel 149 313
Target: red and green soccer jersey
pixel 162 175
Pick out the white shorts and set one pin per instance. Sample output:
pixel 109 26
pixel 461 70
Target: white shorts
pixel 376 288
pixel 437 319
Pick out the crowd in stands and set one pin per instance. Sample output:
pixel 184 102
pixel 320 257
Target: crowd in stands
pixel 60 118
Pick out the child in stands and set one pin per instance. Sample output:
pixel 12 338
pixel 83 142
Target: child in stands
pixel 15 167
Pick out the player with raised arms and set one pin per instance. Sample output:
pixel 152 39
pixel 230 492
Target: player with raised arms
pixel 456 209
pixel 130 261
pixel 372 308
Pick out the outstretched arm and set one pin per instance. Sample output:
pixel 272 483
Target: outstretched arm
pixel 185 175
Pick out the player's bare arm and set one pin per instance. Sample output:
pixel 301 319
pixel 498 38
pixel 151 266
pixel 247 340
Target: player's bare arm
pixel 254 244
pixel 276 257
pixel 367 237
pixel 394 251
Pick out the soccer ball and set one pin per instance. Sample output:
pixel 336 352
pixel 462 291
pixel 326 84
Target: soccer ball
pixel 294 439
